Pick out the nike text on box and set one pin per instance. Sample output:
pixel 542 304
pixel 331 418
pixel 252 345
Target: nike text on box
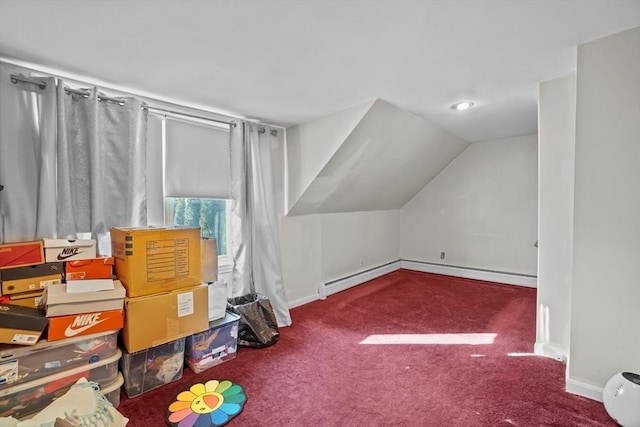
pixel 59 302
pixel 21 254
pixel 56 250
pixel 62 327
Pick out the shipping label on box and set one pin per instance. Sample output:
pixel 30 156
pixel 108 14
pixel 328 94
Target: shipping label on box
pixel 153 320
pixel 68 250
pixel 30 284
pixel 21 254
pixel 62 327
pixel 151 260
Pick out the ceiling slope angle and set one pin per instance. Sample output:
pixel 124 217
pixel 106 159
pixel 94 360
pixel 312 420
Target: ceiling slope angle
pixel 371 157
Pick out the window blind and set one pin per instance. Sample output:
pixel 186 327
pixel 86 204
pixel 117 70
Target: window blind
pixel 197 162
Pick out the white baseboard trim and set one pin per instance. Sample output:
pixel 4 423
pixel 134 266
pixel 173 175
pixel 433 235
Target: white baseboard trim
pixel 470 273
pixel 548 350
pixel 584 389
pixel 302 301
pixel 334 286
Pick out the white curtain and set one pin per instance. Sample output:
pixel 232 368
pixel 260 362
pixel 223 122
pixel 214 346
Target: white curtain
pixel 27 156
pixel 101 164
pixel 255 238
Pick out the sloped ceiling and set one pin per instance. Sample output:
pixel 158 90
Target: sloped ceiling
pixel 386 158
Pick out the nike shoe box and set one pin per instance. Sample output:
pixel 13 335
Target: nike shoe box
pixel 30 284
pixel 59 302
pixel 214 346
pixel 27 398
pixel 56 250
pixel 62 327
pixel 16 273
pixel 151 368
pixel 97 268
pixel 20 364
pixel 25 299
pixel 21 325
pixel 21 254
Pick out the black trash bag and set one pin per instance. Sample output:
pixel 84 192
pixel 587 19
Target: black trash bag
pixel 258 326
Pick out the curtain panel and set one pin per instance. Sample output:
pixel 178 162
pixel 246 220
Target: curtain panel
pixel 255 235
pixel 27 156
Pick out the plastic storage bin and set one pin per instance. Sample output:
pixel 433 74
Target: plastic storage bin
pixel 29 397
pixel 148 369
pixel 112 391
pixel 21 363
pixel 214 346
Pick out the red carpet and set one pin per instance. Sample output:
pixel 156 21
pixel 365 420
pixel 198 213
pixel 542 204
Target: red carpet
pixel 321 374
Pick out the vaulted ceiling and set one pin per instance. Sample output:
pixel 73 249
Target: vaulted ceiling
pixel 288 62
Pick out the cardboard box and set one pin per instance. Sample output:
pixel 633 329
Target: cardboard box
pixel 62 327
pixel 151 368
pixel 46 269
pixel 26 299
pixel 158 319
pixel 68 250
pixel 30 284
pixel 21 254
pixel 151 260
pixel 61 303
pixel 21 325
pixel 216 345
pixel 97 268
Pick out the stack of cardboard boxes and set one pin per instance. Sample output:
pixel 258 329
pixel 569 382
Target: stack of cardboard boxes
pixel 160 268
pixel 72 295
pixel 129 320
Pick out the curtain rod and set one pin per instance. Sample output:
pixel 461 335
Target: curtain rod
pixel 15 78
pixel 86 94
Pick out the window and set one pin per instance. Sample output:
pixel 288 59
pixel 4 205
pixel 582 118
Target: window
pixel 211 215
pixel 188 177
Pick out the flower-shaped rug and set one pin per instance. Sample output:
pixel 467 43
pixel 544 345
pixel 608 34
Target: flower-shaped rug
pixel 211 404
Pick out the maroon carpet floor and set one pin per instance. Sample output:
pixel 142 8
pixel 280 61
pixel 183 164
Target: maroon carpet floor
pixel 469 363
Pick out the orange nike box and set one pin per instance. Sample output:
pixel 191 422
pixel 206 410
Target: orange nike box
pixel 20 254
pixel 97 268
pixel 30 284
pixel 62 327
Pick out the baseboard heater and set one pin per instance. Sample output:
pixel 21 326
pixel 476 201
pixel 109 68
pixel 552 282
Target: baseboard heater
pixel 472 273
pixel 334 286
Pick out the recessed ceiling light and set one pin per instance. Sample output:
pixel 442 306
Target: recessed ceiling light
pixel 461 106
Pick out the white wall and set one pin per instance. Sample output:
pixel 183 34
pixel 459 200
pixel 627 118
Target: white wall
pixel 556 160
pixel 605 307
pixel 481 210
pixel 323 247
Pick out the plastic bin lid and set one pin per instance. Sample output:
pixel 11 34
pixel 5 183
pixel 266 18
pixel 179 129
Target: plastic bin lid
pixel 63 374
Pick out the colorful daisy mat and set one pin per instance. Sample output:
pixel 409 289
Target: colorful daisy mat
pixel 211 404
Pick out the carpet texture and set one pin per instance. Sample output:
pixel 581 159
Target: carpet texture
pixel 406 349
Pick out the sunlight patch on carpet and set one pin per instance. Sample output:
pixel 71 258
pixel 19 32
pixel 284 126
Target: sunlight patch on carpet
pixel 445 339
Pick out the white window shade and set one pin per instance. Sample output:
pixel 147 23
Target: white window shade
pixel 197 162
